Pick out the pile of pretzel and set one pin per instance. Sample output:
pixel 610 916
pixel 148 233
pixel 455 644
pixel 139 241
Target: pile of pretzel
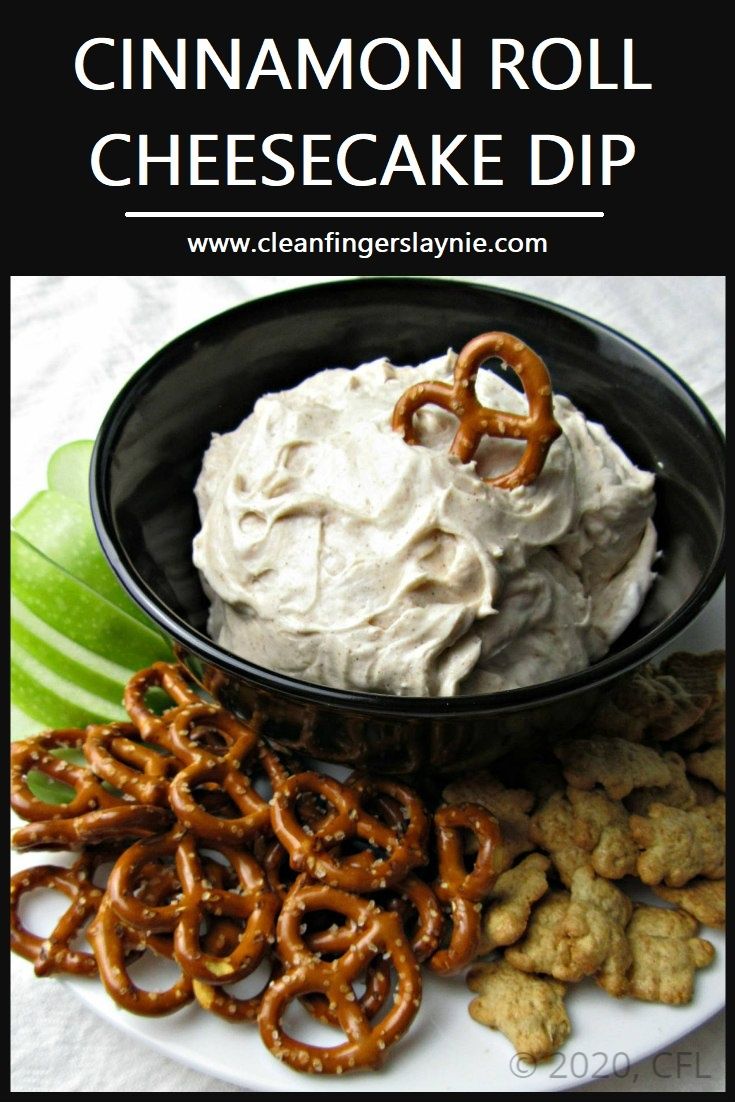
pixel 320 879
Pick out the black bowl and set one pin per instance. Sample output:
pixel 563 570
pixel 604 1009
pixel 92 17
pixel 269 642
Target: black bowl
pixel 149 450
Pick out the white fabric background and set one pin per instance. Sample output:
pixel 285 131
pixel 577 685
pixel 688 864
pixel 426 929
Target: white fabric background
pixel 75 341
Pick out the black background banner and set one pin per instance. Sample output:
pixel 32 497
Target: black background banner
pixel 662 211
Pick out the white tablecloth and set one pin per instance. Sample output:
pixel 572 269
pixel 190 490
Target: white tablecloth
pixel 75 342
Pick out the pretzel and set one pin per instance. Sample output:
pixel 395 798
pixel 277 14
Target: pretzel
pixel 275 862
pixel 132 871
pixel 54 953
pixel 396 806
pixel 460 890
pixel 414 901
pixel 250 903
pixel 376 933
pixel 218 829
pixel 187 889
pixel 539 428
pixel 274 858
pixel 116 753
pixel 206 732
pixel 223 771
pixel 114 945
pixel 110 938
pixel 204 893
pixel 378 987
pixel 37 753
pixel 173 679
pixel 216 750
pixel 297 944
pixel 109 824
pixel 312 849
pixel 220 940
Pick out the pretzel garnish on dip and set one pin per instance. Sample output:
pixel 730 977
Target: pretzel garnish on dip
pixel 539 428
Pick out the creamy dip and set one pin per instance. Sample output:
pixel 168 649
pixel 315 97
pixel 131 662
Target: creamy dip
pixel 336 553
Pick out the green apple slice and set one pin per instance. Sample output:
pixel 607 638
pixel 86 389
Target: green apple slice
pixel 51 699
pixel 22 725
pixel 72 608
pixel 68 470
pixel 48 788
pixel 62 529
pixel 65 657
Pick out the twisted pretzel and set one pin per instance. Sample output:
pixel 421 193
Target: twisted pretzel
pixel 376 933
pixel 36 753
pixel 218 767
pixel 206 732
pixel 116 753
pixel 250 903
pixel 312 849
pixel 109 824
pixel 132 871
pixel 204 893
pixel 54 953
pixel 459 889
pixel 110 939
pixel 173 680
pixel 299 945
pixel 539 429
pixel 417 907
pixel 220 940
pixel 398 807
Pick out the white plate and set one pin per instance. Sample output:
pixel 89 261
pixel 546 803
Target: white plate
pixel 445 1050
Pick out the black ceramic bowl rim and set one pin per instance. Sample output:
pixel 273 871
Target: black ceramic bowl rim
pixel 405 707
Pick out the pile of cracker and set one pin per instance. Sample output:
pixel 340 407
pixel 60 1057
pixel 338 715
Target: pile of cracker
pixel 636 791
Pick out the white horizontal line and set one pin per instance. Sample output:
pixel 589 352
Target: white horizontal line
pixel 416 214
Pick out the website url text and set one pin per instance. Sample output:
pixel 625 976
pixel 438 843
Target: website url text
pixel 368 245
